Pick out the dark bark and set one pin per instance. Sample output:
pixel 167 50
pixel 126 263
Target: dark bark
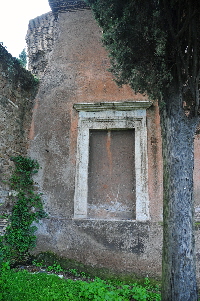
pixel 179 275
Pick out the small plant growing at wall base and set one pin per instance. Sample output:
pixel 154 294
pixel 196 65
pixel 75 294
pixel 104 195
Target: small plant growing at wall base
pixel 19 237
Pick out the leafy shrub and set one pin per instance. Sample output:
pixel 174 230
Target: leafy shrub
pixel 19 237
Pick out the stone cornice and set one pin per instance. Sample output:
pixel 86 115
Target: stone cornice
pixel 117 106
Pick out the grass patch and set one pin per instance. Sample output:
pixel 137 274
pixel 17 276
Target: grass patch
pixel 22 285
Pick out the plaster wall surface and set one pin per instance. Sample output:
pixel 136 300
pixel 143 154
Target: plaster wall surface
pixel 76 72
pixel 111 174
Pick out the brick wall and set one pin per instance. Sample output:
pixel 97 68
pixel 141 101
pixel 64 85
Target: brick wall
pixel 18 88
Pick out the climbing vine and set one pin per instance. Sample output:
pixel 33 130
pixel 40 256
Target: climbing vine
pixel 19 237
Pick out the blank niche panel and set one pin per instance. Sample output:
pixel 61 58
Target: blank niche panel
pixel 111 174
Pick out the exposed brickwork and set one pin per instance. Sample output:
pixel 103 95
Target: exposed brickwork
pixel 58 6
pixel 40 40
pixel 18 89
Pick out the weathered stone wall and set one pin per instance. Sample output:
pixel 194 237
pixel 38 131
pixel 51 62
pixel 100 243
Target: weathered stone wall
pixel 18 89
pixel 40 40
pixel 65 51
pixel 76 72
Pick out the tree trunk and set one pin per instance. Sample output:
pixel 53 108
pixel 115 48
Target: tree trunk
pixel 178 266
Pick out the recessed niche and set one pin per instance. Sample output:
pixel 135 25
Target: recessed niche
pixel 111 163
pixel 111 174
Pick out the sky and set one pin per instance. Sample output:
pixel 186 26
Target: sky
pixel 14 19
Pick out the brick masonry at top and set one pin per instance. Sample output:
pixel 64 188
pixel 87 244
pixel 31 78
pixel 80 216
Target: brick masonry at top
pixel 66 5
pixel 40 40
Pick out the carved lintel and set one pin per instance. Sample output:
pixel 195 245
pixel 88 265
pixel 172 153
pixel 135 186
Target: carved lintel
pixel 117 106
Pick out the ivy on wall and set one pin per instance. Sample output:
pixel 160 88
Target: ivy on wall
pixel 19 237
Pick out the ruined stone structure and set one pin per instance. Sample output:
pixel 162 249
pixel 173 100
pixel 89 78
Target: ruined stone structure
pixel 101 174
pixel 99 148
pixel 18 89
pixel 41 36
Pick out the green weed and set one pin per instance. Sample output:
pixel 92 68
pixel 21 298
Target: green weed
pixel 22 285
pixel 55 267
pixel 74 272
